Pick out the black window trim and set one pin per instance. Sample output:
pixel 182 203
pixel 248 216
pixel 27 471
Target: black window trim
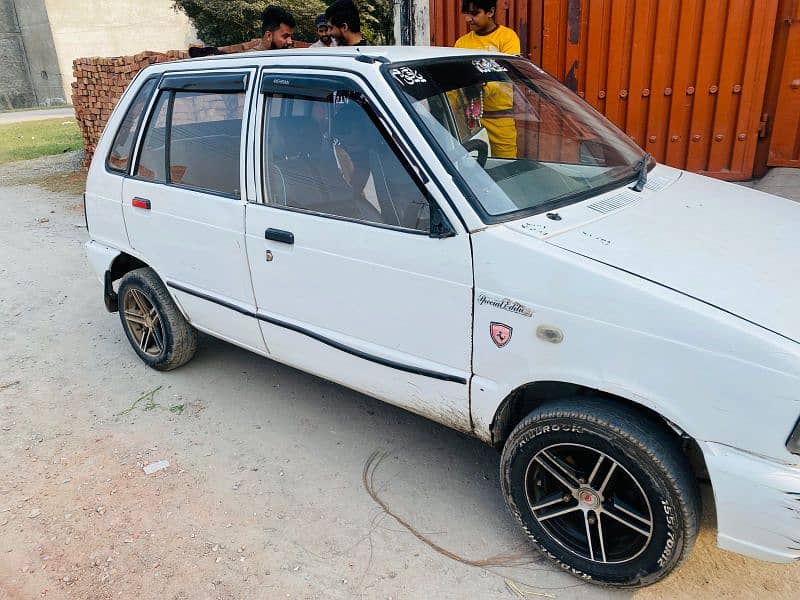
pixel 211 82
pixel 260 69
pixel 142 117
pixel 269 89
pixel 242 197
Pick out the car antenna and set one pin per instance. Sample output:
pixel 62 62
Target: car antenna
pixel 641 170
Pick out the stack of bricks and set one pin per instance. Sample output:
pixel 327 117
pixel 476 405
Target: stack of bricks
pixel 100 82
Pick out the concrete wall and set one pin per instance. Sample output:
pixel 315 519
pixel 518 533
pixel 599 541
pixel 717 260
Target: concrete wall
pixel 45 74
pixel 83 28
pixel 15 83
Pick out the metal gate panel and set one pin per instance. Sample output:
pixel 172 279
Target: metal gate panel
pixel 784 145
pixel 684 78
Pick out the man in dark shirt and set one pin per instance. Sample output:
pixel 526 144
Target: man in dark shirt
pixel 345 23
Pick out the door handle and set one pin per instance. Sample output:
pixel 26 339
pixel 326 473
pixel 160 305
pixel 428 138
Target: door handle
pixel 279 235
pixel 141 203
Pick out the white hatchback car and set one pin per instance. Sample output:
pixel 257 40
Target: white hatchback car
pixel 457 234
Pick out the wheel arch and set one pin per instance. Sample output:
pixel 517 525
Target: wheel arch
pixel 123 263
pixel 521 401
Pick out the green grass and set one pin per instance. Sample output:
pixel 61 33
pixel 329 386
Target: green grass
pixel 32 139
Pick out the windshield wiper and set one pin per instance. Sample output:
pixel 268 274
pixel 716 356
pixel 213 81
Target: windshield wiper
pixel 640 168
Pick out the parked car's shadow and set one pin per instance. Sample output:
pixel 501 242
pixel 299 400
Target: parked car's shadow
pixel 443 485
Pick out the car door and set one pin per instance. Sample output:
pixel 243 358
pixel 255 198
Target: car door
pixel 184 206
pixel 350 283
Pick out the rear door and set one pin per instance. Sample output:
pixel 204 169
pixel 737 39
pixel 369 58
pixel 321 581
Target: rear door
pixel 349 281
pixel 184 206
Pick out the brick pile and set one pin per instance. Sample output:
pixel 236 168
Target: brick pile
pixel 99 83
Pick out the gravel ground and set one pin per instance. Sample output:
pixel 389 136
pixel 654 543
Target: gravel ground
pixel 31 171
pixel 265 494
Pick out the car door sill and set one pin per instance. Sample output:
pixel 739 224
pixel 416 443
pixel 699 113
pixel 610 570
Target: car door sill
pixel 321 338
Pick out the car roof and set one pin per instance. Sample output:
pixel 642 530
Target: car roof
pixel 386 54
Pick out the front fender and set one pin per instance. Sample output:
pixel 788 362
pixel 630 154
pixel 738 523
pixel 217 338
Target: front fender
pixel 718 378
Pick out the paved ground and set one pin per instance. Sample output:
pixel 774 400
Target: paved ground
pixel 265 493
pixel 782 182
pixel 18 116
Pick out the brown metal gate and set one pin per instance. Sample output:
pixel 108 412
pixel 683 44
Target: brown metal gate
pixel 784 142
pixel 684 78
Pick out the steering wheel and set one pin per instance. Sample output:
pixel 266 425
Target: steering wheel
pixel 479 146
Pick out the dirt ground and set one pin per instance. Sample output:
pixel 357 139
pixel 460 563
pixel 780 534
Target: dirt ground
pixel 267 490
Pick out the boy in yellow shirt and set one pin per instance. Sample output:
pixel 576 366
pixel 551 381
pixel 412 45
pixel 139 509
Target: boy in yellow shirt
pixel 486 34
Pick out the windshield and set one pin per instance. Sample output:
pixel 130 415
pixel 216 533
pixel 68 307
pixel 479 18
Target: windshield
pixel 520 140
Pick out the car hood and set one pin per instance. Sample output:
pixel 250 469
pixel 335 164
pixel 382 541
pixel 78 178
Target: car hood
pixel 723 244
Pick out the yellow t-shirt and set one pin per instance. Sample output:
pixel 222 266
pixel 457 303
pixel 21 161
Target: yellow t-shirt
pixel 501 39
pixel 497 96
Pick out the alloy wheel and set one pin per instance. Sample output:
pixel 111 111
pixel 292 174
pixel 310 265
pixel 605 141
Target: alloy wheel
pixel 144 322
pixel 589 503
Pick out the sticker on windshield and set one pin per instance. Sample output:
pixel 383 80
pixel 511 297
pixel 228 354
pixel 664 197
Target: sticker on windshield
pixel 407 76
pixel 488 65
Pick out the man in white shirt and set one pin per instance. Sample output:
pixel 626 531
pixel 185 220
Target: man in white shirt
pixel 323 32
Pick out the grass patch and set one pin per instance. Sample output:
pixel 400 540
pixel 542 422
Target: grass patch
pixel 32 139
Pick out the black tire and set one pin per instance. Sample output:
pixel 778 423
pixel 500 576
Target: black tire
pixel 171 341
pixel 650 480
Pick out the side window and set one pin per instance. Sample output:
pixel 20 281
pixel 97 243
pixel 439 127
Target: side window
pixel 329 156
pixel 152 157
pixel 119 159
pixel 193 140
pixel 205 138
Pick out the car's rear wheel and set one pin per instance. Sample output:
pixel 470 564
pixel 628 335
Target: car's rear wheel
pixel 156 329
pixel 605 492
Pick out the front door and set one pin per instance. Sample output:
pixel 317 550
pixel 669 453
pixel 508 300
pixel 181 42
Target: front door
pixel 349 282
pixel 184 206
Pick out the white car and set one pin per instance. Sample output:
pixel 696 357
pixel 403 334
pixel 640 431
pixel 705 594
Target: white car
pixel 457 234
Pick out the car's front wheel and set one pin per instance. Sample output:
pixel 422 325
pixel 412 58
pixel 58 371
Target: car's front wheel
pixel 155 327
pixel 605 492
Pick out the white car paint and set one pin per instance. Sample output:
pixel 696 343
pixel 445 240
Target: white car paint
pixel 679 298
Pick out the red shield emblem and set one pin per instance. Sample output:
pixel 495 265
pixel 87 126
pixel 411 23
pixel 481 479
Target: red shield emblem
pixel 500 334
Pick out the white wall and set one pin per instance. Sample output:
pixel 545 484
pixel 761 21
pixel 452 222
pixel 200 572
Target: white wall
pixel 114 28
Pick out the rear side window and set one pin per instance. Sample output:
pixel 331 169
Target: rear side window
pixel 193 140
pixel 205 137
pixel 119 159
pixel 153 156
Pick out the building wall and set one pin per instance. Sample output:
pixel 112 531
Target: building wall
pixel 82 28
pixel 46 78
pixel 15 82
pixel 29 71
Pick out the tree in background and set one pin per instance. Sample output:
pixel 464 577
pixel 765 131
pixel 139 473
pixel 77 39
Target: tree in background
pixel 226 22
pixel 377 20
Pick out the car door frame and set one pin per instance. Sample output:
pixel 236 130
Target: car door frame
pixel 456 414
pixel 225 318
